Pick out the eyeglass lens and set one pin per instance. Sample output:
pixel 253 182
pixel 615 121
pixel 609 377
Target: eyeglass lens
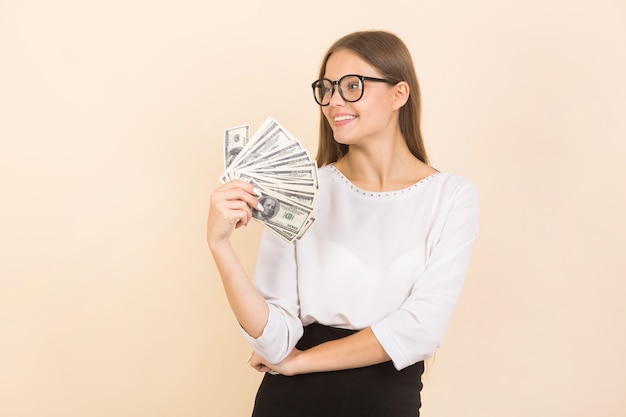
pixel 350 89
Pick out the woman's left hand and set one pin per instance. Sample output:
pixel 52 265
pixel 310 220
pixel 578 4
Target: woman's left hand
pixel 287 367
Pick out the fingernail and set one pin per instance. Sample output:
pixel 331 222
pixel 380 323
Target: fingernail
pixel 260 207
pixel 257 192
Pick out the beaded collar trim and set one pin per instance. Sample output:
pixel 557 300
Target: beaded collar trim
pixel 384 193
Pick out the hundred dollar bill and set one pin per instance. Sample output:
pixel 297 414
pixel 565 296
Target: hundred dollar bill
pixel 288 236
pixel 304 199
pixel 259 136
pixel 297 183
pixel 283 186
pixel 235 139
pixel 308 170
pixel 306 226
pixel 295 159
pixel 277 144
pixel 285 234
pixel 303 196
pixel 280 212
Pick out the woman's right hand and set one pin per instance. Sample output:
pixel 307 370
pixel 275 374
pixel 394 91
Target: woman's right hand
pixel 230 209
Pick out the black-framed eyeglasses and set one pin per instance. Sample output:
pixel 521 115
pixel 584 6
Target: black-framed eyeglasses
pixel 350 88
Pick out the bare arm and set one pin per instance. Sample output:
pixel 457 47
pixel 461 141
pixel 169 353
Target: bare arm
pixel 355 351
pixel 230 209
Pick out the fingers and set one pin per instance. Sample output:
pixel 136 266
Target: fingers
pixel 258 363
pixel 241 185
pixel 232 211
pixel 262 368
pixel 238 190
pixel 230 208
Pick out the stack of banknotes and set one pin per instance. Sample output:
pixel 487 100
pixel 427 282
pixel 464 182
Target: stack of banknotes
pixel 277 164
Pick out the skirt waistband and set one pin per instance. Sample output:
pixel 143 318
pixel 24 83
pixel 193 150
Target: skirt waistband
pixel 372 391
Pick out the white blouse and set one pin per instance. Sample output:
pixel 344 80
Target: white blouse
pixel 393 261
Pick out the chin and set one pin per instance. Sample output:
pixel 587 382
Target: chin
pixel 343 140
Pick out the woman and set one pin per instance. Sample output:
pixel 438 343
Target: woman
pixel 342 320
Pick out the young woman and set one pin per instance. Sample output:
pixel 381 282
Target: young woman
pixel 342 320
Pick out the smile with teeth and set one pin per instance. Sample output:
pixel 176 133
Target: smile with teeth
pixel 342 118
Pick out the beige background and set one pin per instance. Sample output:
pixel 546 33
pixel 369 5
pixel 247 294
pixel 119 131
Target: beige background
pixel 111 117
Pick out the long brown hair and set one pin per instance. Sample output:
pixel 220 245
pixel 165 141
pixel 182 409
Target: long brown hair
pixel 389 55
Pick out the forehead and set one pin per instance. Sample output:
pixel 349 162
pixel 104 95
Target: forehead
pixel 345 62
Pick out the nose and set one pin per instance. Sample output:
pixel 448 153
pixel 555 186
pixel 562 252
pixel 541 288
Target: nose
pixel 335 95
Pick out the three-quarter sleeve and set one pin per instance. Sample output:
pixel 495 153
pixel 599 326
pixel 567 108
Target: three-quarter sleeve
pixel 276 279
pixel 414 331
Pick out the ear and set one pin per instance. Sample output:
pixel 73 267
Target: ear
pixel 401 93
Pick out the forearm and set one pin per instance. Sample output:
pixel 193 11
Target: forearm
pixel 247 304
pixel 355 351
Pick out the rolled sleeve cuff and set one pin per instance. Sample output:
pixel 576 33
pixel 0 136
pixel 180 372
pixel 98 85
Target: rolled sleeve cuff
pixel 273 345
pixel 393 349
pixel 399 357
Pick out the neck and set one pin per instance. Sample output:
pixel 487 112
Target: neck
pixel 390 166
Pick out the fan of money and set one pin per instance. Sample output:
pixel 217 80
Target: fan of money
pixel 277 164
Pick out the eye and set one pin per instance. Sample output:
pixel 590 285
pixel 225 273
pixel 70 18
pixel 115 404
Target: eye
pixel 323 88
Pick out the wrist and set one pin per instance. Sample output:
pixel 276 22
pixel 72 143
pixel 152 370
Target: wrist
pixel 301 363
pixel 217 245
pixel 298 363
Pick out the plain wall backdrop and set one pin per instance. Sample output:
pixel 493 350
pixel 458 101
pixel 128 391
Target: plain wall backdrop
pixel 111 122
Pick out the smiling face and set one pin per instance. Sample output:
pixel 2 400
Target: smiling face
pixel 386 55
pixel 374 116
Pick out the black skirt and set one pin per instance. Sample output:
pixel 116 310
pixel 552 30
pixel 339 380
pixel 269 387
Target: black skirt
pixel 373 391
